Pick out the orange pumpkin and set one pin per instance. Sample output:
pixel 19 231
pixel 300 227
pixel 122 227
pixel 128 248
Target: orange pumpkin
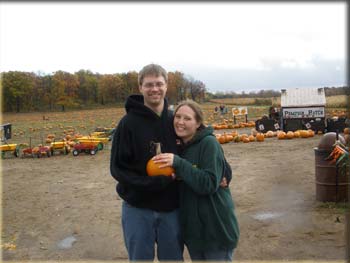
pixel 222 139
pixel 229 137
pixel 290 135
pixel 154 170
pixel 269 134
pixel 281 135
pixel 260 137
pixel 251 138
pixel 311 133
pixel 245 139
pixel 304 134
pixel 296 134
pixel 244 135
pixel 234 133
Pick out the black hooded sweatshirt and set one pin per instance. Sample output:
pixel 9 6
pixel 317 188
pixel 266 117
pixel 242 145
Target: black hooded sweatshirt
pixel 131 150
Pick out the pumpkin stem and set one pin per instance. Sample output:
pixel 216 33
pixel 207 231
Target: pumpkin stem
pixel 158 149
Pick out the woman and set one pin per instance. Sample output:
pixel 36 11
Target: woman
pixel 209 225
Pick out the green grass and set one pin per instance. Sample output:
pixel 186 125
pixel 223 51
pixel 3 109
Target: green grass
pixel 340 207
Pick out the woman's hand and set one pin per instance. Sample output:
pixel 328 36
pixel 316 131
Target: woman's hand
pixel 164 159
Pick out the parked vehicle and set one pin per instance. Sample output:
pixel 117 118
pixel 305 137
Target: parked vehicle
pixel 98 142
pixel 61 146
pixel 37 151
pixel 13 149
pixel 79 147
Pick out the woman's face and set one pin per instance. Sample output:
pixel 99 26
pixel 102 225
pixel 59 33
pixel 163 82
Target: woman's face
pixel 185 123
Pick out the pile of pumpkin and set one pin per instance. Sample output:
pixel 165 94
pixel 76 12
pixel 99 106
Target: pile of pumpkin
pixel 260 137
pixel 68 138
pixel 227 125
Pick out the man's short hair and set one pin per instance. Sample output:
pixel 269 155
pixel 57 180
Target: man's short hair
pixel 152 70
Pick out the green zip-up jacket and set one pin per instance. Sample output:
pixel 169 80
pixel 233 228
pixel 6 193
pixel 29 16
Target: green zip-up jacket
pixel 207 214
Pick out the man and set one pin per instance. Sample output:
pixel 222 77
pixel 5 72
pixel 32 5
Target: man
pixel 150 206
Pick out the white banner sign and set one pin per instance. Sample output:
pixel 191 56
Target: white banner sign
pixel 239 111
pixel 297 113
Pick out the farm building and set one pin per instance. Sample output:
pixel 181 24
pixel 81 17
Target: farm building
pixel 303 108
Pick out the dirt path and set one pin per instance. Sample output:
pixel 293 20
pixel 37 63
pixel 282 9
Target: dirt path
pixel 66 208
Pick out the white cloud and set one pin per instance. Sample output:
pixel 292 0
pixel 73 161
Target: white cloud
pixel 117 37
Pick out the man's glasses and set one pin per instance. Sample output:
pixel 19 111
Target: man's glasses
pixel 150 85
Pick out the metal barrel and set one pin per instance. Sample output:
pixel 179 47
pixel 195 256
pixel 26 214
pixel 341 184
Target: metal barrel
pixel 331 186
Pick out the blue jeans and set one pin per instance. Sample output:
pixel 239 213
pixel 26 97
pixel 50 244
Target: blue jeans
pixel 211 255
pixel 143 228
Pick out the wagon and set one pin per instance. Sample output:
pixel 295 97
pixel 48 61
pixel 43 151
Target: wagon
pixel 103 132
pixel 9 148
pixel 61 146
pixel 98 142
pixel 90 148
pixel 37 151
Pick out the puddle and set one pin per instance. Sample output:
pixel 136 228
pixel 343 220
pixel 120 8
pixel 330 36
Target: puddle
pixel 267 215
pixel 67 242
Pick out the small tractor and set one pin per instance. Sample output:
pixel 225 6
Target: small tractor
pixel 84 148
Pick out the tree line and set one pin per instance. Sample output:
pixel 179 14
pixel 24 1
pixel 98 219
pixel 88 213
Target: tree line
pixel 329 91
pixel 28 91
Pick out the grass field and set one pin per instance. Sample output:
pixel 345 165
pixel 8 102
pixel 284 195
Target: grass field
pixel 36 126
pixel 338 101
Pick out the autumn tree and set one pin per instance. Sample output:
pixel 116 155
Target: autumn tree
pixel 88 87
pixel 110 88
pixel 42 92
pixel 65 87
pixel 130 84
pixel 17 88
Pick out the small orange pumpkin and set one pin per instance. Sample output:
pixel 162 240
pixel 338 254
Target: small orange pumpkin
pixel 245 139
pixel 234 133
pixel 260 137
pixel 290 135
pixel 251 138
pixel 229 137
pixel 311 133
pixel 269 134
pixel 154 170
pixel 281 135
pixel 297 134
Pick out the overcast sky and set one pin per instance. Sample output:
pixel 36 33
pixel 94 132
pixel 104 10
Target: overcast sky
pixel 229 46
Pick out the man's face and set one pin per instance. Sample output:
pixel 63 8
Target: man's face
pixel 153 90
